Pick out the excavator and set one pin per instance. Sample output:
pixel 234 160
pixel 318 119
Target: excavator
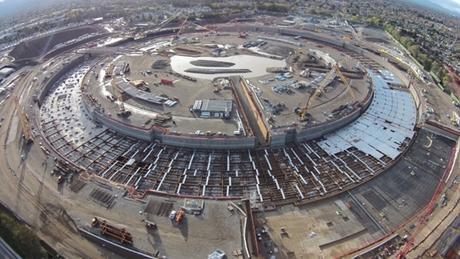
pixel 121 107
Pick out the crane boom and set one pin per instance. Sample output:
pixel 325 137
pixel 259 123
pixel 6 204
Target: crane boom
pixel 344 80
pixel 319 90
pixel 182 27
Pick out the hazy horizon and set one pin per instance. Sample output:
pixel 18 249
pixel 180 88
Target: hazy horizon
pixel 449 6
pixel 14 7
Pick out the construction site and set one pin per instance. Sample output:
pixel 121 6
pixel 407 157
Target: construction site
pixel 174 89
pixel 227 140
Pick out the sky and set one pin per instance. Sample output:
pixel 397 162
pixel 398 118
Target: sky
pixel 450 6
pixel 13 6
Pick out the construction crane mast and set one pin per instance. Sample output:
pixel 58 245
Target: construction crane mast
pixel 181 28
pixel 121 106
pixel 303 112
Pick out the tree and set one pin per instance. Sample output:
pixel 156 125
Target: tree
pixel 374 21
pixel 389 28
pixel 406 42
pixel 447 90
pixel 414 50
pixel 436 68
pixel 20 238
pixel 445 80
pixel 425 61
pixel 274 7
pixel 354 18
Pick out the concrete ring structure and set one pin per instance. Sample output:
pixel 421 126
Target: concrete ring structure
pixel 269 138
pixel 129 129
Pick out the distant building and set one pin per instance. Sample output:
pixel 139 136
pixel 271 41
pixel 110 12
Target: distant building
pixel 213 108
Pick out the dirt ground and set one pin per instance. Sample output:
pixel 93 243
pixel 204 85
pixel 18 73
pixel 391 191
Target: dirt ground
pixel 323 230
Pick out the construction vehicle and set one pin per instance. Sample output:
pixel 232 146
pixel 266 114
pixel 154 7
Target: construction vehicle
pixel 150 225
pixel 454 119
pixel 303 112
pixel 216 89
pixel 180 215
pixel 106 229
pixel 109 70
pixel 122 112
pixel 347 37
pixel 165 81
pixel 60 180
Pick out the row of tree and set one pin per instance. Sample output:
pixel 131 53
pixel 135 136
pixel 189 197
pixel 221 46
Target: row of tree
pixel 273 7
pixel 20 238
pixel 422 57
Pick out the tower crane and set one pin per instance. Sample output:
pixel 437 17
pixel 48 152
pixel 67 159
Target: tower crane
pixel 181 28
pixel 303 112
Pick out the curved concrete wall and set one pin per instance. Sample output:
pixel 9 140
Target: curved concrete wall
pixel 321 130
pixel 125 129
pixel 61 50
pixel 208 143
pixel 290 32
pixel 174 140
pixel 293 135
pixel 288 136
pixel 57 76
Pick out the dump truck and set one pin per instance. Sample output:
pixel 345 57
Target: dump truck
pixel 166 81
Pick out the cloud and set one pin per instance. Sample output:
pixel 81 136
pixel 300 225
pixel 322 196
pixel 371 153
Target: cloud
pixel 453 5
pixel 450 5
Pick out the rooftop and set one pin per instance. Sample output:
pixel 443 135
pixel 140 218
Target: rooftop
pixel 215 105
